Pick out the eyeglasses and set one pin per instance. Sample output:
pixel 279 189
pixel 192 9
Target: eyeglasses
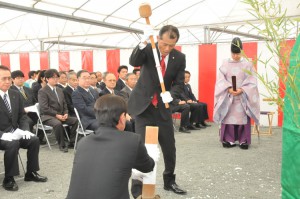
pixel 3 79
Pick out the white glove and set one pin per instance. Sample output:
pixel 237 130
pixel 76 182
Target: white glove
pixel 7 137
pixel 137 175
pixel 27 135
pixel 18 133
pixel 166 97
pixel 148 31
pixel 153 151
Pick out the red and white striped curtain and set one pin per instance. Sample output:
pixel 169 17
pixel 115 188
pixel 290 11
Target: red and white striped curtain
pixel 202 61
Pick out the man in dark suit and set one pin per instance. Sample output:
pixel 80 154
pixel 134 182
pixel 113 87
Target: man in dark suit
pixel 99 79
pixel 12 117
pixel 122 71
pixel 146 104
pixel 28 100
pixel 110 82
pixel 54 111
pixel 198 109
pixel 62 81
pixel 107 176
pixel 131 80
pixel 72 85
pixel 182 107
pixel 84 98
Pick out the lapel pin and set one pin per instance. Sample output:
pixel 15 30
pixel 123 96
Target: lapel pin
pixel 173 58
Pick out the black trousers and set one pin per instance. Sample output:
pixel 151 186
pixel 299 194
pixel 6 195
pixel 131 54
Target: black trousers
pixel 198 112
pixel 152 117
pixel 11 148
pixel 184 109
pixel 59 129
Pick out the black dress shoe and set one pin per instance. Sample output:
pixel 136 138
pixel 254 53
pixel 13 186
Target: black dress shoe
pixel 10 184
pixel 175 188
pixel 198 125
pixel 191 127
pixel 34 176
pixel 183 129
pixel 228 145
pixel 71 145
pixel 42 142
pixel 63 149
pixel 244 146
pixel 205 124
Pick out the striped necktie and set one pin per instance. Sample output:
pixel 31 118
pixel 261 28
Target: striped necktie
pixel 8 108
pixel 23 93
pixel 6 103
pixel 91 94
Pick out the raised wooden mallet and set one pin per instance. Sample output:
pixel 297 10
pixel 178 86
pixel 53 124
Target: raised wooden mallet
pixel 146 12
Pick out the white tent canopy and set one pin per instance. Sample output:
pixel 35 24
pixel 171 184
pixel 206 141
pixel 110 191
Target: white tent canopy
pixel 36 25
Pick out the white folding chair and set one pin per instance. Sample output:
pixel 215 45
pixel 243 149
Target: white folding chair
pixel 43 127
pixel 80 129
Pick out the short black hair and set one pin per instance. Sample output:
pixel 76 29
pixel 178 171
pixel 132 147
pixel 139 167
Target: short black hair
pixel 2 67
pixel 80 72
pixel 172 30
pixel 136 70
pixel 41 76
pixel 31 73
pixel 17 73
pixel 187 72
pixel 108 109
pixel 50 73
pixel 122 67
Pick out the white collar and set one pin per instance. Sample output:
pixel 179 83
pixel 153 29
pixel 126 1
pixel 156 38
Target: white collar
pixel 2 93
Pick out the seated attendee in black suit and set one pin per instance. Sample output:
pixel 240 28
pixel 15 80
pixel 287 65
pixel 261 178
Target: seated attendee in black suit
pixel 110 82
pixel 62 81
pixel 122 72
pixel 94 82
pixel 84 98
pixel 131 80
pixel 182 107
pixel 28 100
pixel 12 117
pixel 106 175
pixel 198 109
pixel 99 79
pixel 40 83
pixel 54 110
pixel 72 85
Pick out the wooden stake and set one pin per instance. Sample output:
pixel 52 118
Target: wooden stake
pixel 151 138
